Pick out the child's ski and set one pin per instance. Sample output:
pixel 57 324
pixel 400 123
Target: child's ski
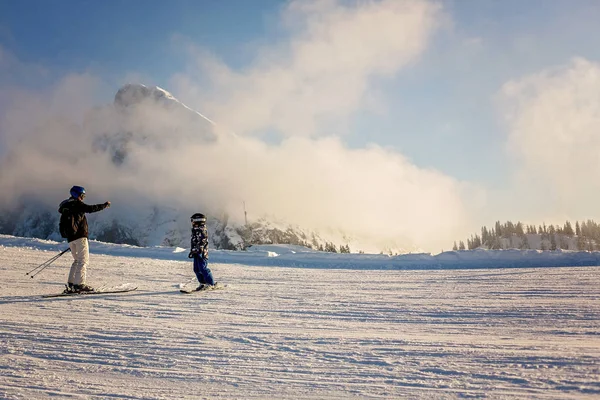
pixel 205 288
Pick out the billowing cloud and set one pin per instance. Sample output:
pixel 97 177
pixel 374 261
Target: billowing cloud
pixel 373 195
pixel 553 119
pixel 321 73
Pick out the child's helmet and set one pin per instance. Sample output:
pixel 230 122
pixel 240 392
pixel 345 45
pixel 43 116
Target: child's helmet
pixel 77 191
pixel 198 219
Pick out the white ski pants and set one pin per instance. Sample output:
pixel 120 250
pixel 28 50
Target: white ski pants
pixel 81 255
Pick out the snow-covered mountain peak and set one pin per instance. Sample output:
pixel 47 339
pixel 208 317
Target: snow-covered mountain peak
pixel 135 93
pixel 132 94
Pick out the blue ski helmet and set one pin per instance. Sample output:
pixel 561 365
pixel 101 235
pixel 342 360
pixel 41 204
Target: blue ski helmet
pixel 77 191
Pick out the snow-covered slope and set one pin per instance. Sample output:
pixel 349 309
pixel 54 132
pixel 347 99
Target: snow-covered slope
pixel 296 333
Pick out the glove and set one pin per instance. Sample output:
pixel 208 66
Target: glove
pixel 192 253
pixel 107 204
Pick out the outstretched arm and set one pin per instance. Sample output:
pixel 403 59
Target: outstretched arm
pixel 94 207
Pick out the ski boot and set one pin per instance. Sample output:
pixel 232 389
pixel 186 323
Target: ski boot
pixel 69 288
pixel 83 288
pixel 201 287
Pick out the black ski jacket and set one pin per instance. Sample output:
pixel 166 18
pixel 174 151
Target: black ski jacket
pixel 199 242
pixel 78 209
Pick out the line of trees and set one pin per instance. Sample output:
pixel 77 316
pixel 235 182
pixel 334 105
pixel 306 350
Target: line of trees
pixel 585 236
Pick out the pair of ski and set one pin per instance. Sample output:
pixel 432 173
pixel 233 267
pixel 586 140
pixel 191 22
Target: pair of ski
pixel 204 288
pixel 127 287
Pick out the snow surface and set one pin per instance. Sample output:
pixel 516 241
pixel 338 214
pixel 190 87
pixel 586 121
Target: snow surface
pixel 294 323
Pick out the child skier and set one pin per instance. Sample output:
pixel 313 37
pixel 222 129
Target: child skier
pixel 199 252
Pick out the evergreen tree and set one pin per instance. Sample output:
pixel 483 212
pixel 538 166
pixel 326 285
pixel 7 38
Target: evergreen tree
pixel 330 247
pixel 577 228
pixel 485 235
pixel 455 247
pixel 315 244
pixel 474 242
pixel 509 229
pixel 590 245
pixel 498 228
pixel 563 243
pixel 461 245
pixel 552 241
pixel 519 229
pixel 524 243
pixel 581 244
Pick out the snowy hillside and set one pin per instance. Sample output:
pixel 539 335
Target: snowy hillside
pixel 137 131
pixel 302 257
pixel 349 326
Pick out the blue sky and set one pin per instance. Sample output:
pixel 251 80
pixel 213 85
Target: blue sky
pixel 116 36
pixel 441 106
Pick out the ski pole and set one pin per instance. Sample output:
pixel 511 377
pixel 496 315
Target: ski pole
pixel 43 265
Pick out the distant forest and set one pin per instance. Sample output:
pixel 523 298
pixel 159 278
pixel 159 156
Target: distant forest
pixel 584 236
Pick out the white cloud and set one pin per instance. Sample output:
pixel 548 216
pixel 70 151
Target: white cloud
pixel 372 194
pixel 554 118
pixel 322 72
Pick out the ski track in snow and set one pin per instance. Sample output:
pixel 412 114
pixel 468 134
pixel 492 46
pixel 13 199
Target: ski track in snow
pixel 289 333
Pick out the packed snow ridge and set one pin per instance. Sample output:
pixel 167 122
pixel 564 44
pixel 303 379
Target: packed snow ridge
pixel 302 257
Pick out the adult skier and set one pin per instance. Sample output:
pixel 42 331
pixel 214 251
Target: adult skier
pixel 73 226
